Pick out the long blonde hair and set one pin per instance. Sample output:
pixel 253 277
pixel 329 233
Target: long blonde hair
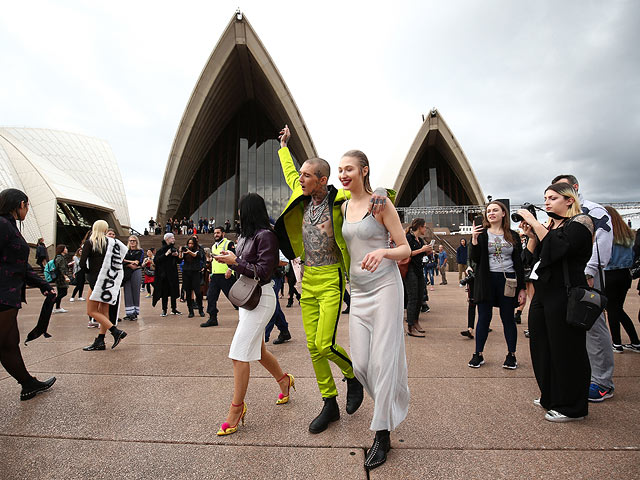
pixel 622 234
pixel 98 236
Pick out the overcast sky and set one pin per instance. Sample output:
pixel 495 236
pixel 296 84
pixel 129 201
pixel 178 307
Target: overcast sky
pixel 529 89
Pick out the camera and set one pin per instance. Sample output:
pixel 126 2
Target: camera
pixel 465 280
pixel 183 249
pixel 528 206
pixel 174 250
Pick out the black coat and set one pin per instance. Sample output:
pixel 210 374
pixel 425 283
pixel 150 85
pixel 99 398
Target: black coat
pixel 15 272
pixel 480 255
pixel 166 270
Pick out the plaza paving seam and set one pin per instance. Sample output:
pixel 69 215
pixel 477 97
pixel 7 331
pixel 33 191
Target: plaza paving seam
pixel 341 447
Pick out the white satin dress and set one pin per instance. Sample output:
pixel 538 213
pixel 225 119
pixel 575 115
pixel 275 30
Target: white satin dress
pixel 376 332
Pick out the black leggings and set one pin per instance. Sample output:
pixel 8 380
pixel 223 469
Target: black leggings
pixel 148 285
pixel 79 284
pixel 10 355
pixel 617 284
pixel 62 292
pixel 507 308
pixel 471 308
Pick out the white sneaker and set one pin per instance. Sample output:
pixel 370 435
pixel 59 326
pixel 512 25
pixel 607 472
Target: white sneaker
pixel 81 299
pixel 554 416
pixel 93 324
pixel 632 347
pixel 62 310
pixel 536 402
pixel 72 300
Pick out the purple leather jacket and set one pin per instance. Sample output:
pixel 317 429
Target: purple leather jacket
pixel 259 251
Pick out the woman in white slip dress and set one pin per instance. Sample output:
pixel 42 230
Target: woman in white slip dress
pixel 376 333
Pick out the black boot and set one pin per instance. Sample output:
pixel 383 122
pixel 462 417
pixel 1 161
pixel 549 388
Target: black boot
pixel 377 454
pixel 35 386
pixel 330 413
pixel 117 336
pixel 290 303
pixel 201 312
pixel 355 394
pixel 283 337
pixel 98 344
pixel 212 322
pixel 518 317
pixel 191 315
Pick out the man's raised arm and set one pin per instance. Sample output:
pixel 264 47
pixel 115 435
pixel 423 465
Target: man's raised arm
pixel 291 175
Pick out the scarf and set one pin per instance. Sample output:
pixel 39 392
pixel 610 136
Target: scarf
pixel 111 273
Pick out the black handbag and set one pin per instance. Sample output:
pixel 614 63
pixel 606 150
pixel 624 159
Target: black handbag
pixel 584 304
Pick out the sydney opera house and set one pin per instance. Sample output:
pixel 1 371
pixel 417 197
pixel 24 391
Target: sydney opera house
pixel 71 181
pixel 225 145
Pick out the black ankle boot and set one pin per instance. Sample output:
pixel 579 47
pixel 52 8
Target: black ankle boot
pixel 117 336
pixel 282 337
pixel 35 386
pixel 355 394
pixel 191 315
pixel 201 312
pixel 377 454
pixel 98 344
pixel 330 413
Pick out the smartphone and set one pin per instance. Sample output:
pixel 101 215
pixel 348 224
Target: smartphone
pixel 478 220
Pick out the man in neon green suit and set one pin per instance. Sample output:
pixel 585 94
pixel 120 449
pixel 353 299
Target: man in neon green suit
pixel 311 228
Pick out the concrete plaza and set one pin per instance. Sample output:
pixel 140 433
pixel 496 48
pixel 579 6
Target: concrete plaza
pixel 151 407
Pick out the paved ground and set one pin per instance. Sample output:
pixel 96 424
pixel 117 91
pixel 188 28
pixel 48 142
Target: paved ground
pixel 151 408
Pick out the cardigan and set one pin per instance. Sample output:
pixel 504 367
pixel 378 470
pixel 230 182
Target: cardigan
pixel 480 255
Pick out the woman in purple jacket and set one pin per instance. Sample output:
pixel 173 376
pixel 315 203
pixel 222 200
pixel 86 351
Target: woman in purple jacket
pixel 257 255
pixel 15 274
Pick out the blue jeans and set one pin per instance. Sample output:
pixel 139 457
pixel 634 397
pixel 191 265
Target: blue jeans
pixel 278 319
pixel 428 275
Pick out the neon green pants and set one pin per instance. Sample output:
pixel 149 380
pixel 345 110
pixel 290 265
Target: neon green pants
pixel 321 301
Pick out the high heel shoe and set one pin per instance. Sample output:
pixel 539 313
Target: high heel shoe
pixel 226 429
pixel 282 399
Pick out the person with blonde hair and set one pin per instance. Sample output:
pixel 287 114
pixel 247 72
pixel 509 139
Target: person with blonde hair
pixel 617 282
pixel 376 333
pixel 132 278
pixel 101 260
pixel 558 350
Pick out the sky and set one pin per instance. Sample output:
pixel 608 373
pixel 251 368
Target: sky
pixel 529 89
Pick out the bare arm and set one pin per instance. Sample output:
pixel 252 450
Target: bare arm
pixel 391 221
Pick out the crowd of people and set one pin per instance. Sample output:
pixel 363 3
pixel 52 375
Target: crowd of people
pixel 327 237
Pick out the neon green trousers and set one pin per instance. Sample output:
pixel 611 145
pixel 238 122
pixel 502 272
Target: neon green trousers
pixel 321 301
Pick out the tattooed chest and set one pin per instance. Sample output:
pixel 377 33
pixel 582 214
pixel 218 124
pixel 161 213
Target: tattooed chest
pixel 319 243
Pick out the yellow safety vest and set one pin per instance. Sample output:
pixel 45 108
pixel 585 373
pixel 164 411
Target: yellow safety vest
pixel 216 249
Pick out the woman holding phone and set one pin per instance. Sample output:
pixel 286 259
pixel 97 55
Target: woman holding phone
pixel 257 255
pixel 499 280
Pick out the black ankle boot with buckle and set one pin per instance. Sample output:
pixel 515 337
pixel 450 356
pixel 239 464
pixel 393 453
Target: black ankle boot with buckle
pixel 355 394
pixel 35 386
pixel 98 344
pixel 330 413
pixel 377 454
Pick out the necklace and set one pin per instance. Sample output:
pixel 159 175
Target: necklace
pixel 316 212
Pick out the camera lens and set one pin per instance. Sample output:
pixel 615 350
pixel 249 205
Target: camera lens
pixel 516 218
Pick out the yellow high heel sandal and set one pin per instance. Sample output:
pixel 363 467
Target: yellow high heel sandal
pixel 282 399
pixel 226 429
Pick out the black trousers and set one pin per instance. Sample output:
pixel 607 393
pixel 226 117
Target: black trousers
pixel 217 283
pixel 62 292
pixel 79 284
pixel 291 281
pixel 165 289
pixel 10 355
pixel 558 353
pixel 617 284
pixel 414 284
pixel 191 283
pixel 471 308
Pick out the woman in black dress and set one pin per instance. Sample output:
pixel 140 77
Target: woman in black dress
pixel 15 274
pixel 558 350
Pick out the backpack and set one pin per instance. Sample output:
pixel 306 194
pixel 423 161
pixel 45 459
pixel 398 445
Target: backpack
pixel 50 271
